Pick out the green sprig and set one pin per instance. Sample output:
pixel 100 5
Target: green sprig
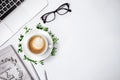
pixel 27 30
pixel 21 37
pixel 54 50
pixel 45 29
pixel 20 48
pixel 55 40
pixel 39 26
pixel 26 58
pixel 42 62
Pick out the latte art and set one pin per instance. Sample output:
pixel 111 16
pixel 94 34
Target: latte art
pixel 37 44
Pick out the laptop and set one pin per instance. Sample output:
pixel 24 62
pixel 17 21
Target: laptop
pixel 16 13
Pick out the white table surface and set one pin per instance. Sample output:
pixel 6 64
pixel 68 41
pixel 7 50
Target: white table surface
pixel 89 45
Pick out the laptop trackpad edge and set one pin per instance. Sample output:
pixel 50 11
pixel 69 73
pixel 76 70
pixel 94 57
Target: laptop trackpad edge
pixel 24 13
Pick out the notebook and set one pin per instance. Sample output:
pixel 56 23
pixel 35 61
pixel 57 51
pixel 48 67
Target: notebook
pixel 11 66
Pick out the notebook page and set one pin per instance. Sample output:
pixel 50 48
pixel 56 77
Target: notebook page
pixel 11 67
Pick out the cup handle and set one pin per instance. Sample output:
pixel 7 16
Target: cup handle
pixel 50 46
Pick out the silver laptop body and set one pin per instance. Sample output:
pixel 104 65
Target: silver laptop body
pixel 18 17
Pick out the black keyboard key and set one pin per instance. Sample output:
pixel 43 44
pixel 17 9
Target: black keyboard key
pixel 0 1
pixel 21 0
pixel 18 3
pixel 3 0
pixel 10 0
pixel 3 4
pixel 11 3
pixel 15 1
pixel 10 10
pixel 0 7
pixel 1 12
pixel 8 6
pixel 5 9
pixel 7 1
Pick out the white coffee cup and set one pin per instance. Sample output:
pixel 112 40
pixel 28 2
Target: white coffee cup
pixel 37 44
pixel 36 36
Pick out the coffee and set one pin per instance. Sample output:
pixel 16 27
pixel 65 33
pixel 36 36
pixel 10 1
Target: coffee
pixel 37 44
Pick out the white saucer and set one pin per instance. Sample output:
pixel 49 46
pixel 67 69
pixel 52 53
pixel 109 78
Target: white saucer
pixel 28 53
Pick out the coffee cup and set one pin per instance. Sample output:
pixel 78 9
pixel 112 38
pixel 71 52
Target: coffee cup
pixel 37 44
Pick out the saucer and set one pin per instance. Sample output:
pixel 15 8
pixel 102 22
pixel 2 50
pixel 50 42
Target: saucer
pixel 37 57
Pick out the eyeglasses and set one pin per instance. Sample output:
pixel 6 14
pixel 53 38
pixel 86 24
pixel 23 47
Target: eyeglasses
pixel 50 16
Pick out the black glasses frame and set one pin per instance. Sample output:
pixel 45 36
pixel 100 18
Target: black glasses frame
pixel 62 7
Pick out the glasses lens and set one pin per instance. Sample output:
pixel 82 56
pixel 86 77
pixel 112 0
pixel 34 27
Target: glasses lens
pixel 51 17
pixel 48 17
pixel 63 9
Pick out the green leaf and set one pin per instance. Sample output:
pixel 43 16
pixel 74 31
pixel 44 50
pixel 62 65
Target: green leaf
pixel 21 37
pixel 55 39
pixel 20 50
pixel 50 33
pixel 26 31
pixel 45 29
pixel 25 57
pixel 32 60
pixel 42 62
pixel 25 28
pixel 39 26
pixel 54 50
pixel 19 45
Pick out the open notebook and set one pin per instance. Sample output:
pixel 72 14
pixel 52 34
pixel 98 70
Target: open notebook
pixel 11 66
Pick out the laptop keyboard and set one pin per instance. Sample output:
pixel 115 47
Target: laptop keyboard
pixel 7 6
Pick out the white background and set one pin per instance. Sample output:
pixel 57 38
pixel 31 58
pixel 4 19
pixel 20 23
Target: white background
pixel 89 40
